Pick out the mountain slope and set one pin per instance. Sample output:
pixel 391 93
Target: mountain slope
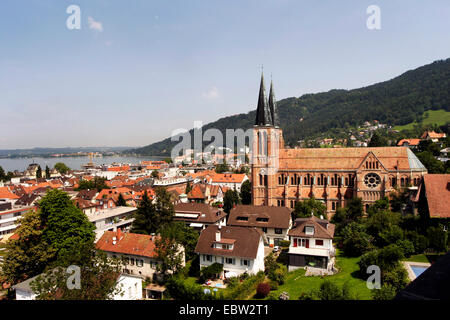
pixel 397 101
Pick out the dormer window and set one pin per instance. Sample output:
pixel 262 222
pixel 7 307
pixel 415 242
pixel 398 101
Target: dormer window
pixel 242 218
pixel 259 219
pixel 309 230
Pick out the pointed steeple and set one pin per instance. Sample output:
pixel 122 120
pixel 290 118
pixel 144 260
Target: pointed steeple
pixel 273 105
pixel 263 116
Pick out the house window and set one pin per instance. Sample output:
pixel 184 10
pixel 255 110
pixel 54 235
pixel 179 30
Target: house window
pixel 139 263
pixel 245 262
pixel 229 260
pixel 278 231
pixel 264 229
pixel 208 257
pixel 319 242
pixel 132 261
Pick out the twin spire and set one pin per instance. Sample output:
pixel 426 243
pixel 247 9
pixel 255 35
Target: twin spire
pixel 266 112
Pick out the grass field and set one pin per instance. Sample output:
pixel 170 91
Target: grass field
pixel 425 257
pixel 439 117
pixel 296 282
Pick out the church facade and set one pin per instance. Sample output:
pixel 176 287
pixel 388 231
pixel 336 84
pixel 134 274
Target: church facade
pixel 283 176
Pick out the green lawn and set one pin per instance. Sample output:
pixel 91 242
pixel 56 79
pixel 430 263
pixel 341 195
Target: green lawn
pixel 439 117
pixel 430 258
pixel 296 282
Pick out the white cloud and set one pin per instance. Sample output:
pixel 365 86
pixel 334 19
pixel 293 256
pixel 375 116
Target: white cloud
pixel 95 25
pixel 213 93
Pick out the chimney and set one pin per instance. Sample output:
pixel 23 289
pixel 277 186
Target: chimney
pixel 217 236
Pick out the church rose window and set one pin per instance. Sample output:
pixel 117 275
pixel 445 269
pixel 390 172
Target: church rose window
pixel 372 180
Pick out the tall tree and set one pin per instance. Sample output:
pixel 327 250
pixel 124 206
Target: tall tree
pixel 377 141
pixel 61 167
pixel 164 206
pixel 188 187
pixel 47 172
pixel 246 192
pixel 121 201
pixel 145 218
pixel 98 280
pixel 304 209
pixel 39 172
pixel 28 254
pixel 67 228
pixel 230 199
pixel 57 234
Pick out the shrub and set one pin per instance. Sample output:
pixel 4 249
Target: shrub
pixel 329 291
pixel 396 277
pixel 386 292
pixel 279 274
pixel 406 246
pixel 355 240
pixel 310 295
pixel 273 285
pixel 272 296
pixel 262 290
pixel 210 271
pixel 285 243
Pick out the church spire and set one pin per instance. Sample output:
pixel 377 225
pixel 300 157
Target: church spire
pixel 273 105
pixel 263 116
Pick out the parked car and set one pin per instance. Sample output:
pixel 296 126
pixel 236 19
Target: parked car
pixel 276 249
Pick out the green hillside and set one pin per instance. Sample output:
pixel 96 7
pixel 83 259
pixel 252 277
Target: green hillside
pixel 398 102
pixel 432 117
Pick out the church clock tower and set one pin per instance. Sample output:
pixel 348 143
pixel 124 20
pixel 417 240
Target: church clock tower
pixel 267 142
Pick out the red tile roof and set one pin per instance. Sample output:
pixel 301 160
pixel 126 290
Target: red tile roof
pixel 411 142
pixel 437 191
pixel 128 243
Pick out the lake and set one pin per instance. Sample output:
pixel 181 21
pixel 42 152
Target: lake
pixel 75 163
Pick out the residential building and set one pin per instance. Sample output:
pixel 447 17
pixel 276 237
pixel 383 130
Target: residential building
pixel 9 220
pixel 274 222
pixel 112 219
pixel 433 197
pixel 433 136
pixel 199 215
pixel 311 244
pixel 412 143
pixel 239 249
pixel 228 180
pixel 137 251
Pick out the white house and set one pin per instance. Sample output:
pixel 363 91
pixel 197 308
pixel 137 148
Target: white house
pixel 229 180
pixel 138 252
pixel 111 219
pixel 239 249
pixel 311 244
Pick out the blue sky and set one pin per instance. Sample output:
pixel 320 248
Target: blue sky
pixel 136 70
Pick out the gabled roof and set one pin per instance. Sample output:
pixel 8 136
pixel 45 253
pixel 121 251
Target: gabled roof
pixel 392 158
pixel 6 194
pixel 128 243
pixel 246 241
pixel 228 178
pixel 437 192
pixel 410 142
pixel 322 228
pixel 205 213
pixel 277 217
pixel 197 192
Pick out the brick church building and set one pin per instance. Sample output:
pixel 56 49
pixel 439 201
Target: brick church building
pixel 282 177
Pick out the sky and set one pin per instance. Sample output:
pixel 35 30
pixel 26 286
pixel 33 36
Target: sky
pixel 138 70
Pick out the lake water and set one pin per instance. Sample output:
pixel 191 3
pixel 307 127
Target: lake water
pixel 75 163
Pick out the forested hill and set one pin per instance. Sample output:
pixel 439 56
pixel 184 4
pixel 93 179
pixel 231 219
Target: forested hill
pixel 396 102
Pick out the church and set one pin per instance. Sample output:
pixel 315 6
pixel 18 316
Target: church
pixel 282 176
